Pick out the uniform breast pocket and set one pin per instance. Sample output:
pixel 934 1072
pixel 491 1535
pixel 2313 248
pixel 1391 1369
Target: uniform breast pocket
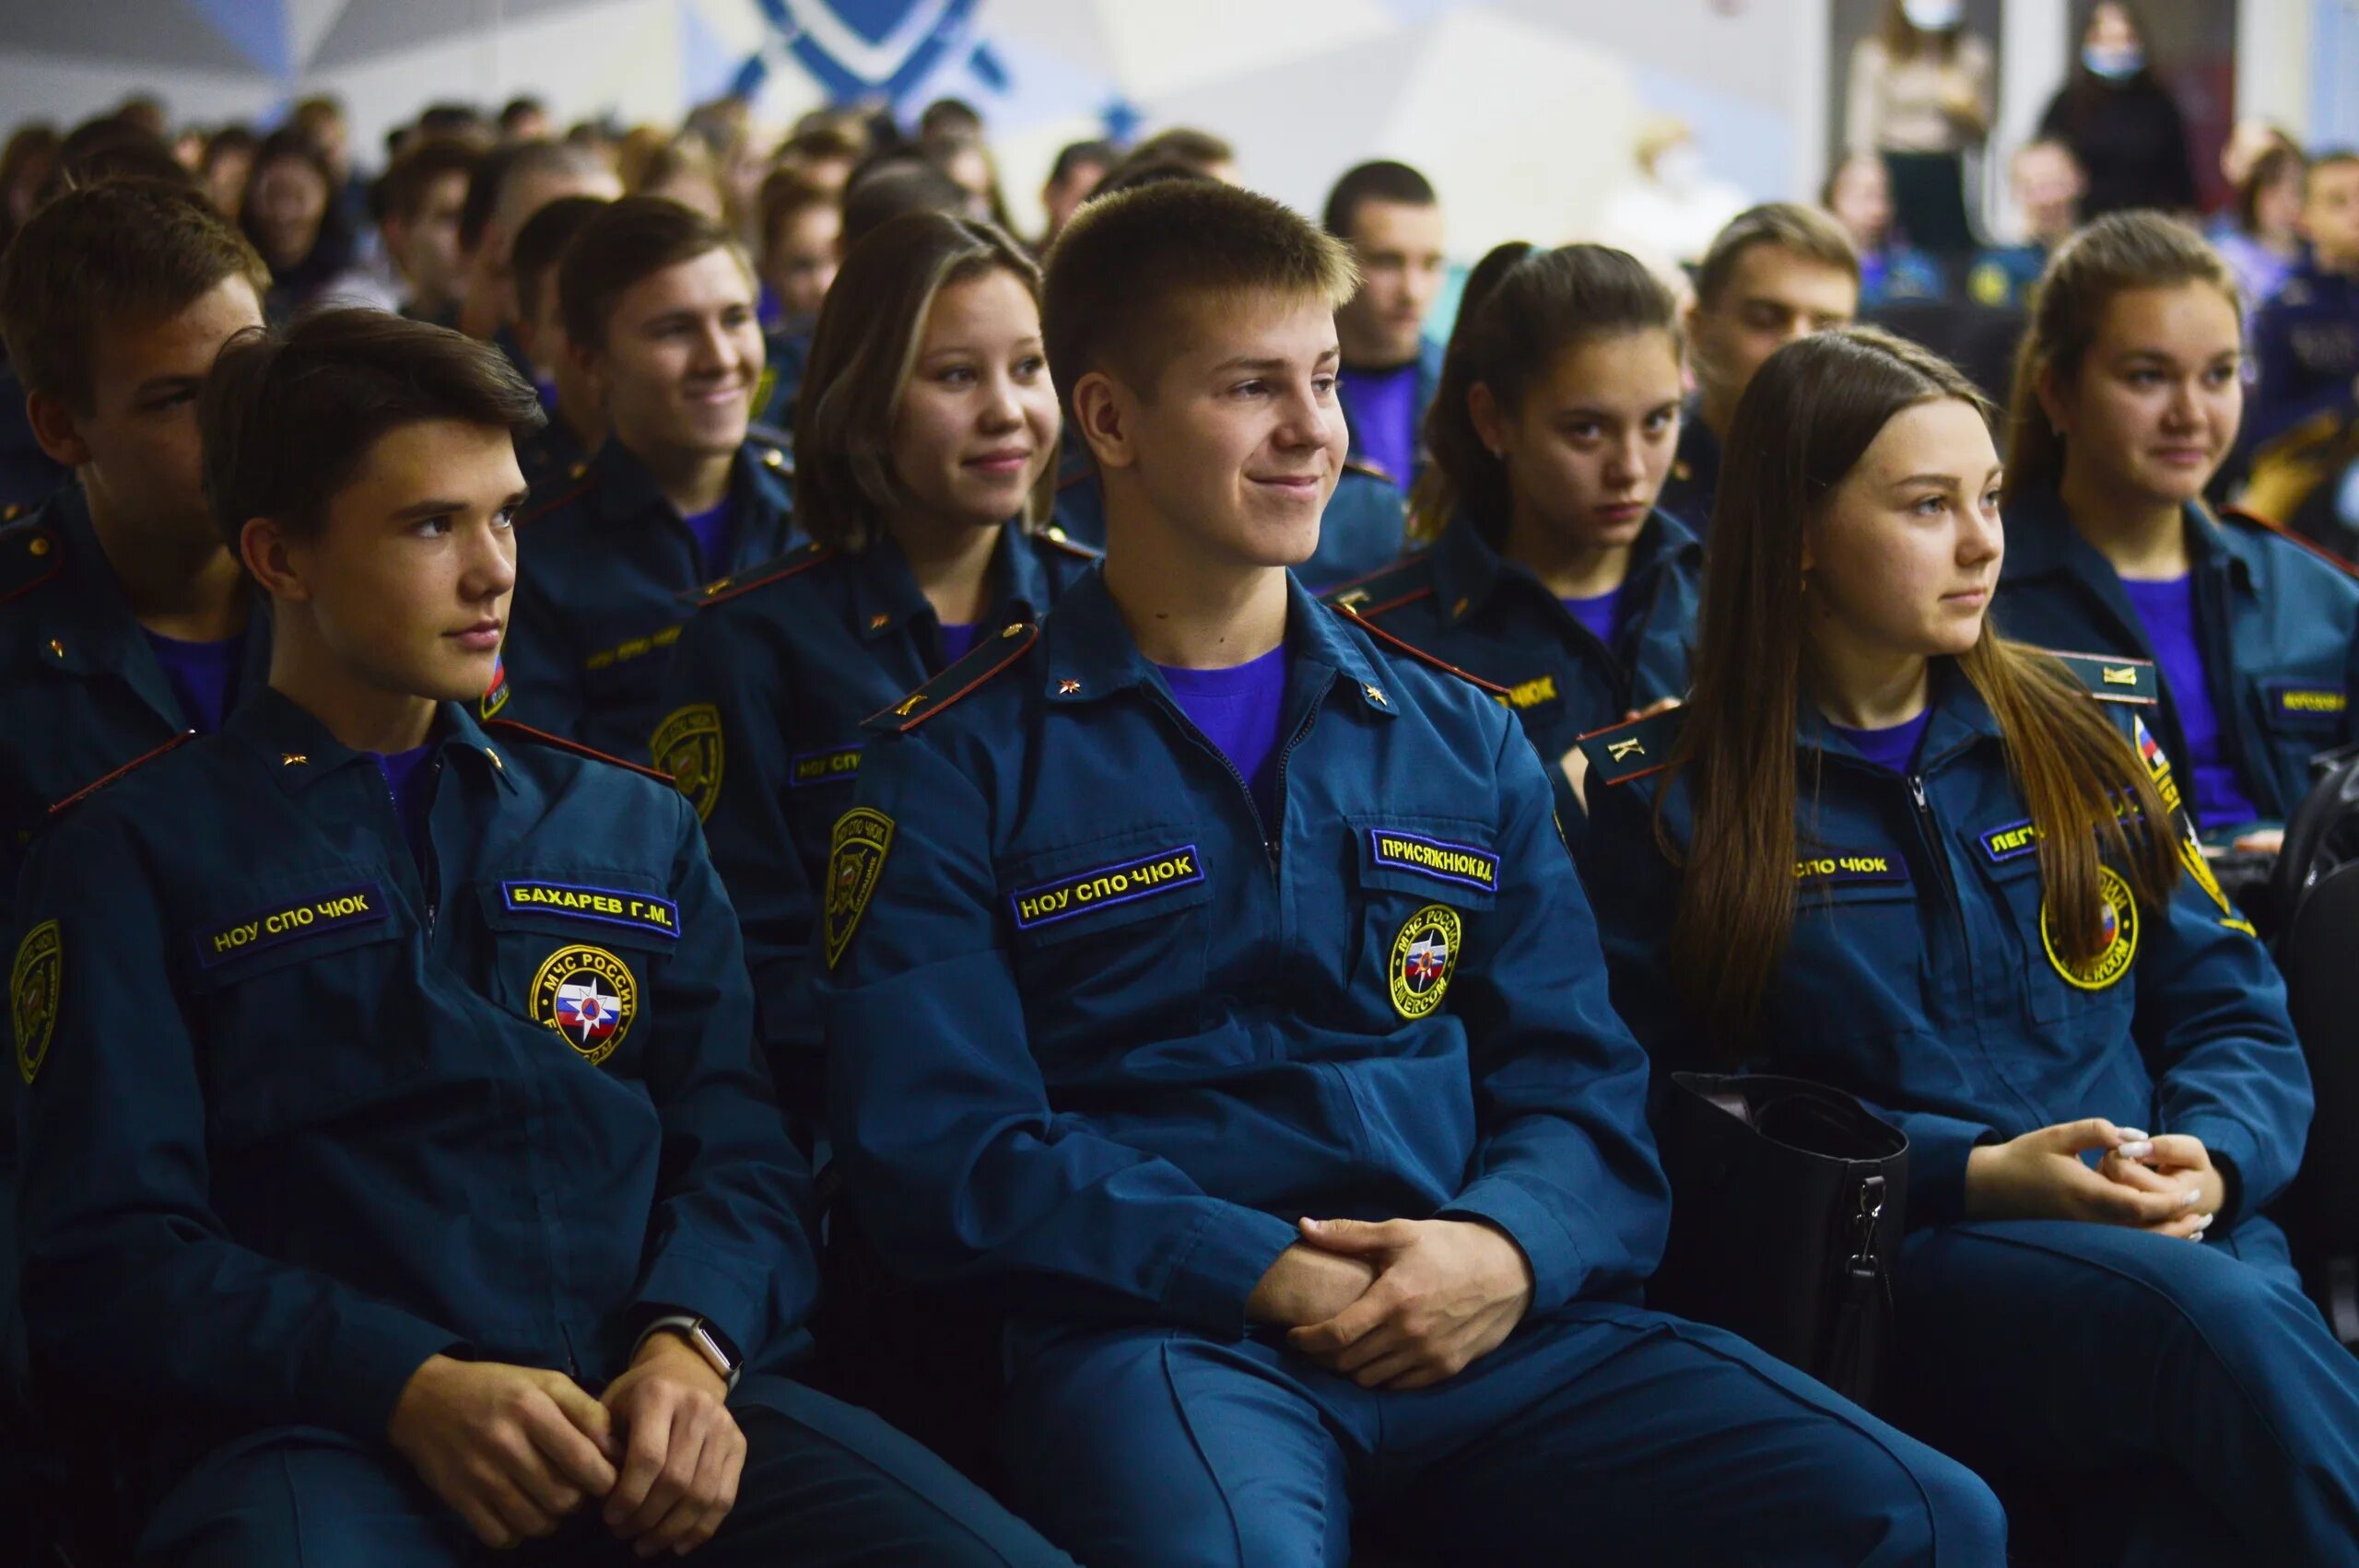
pixel 2315 707
pixel 1854 966
pixel 2058 987
pixel 577 953
pixel 302 989
pixel 1111 931
pixel 1424 883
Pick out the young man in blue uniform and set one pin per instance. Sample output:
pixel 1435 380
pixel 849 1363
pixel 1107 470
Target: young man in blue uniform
pixel 658 304
pixel 123 619
pixel 1778 272
pixel 398 1172
pixel 556 457
pixel 1212 993
pixel 2306 338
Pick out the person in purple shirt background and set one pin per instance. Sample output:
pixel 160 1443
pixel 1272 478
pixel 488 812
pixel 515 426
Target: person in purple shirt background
pixel 1391 217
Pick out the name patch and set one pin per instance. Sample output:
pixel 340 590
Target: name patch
pixel 1530 693
pixel 1844 869
pixel 295 920
pixel 2289 701
pixel 822 768
pixel 607 906
pixel 1125 881
pixel 2012 842
pixel 1444 861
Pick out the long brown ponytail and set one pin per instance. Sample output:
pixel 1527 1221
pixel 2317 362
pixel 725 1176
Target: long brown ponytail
pixel 1522 307
pixel 1810 413
pixel 2116 254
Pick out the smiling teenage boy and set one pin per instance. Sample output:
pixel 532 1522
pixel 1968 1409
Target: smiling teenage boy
pixel 398 1173
pixel 657 305
pixel 1226 1010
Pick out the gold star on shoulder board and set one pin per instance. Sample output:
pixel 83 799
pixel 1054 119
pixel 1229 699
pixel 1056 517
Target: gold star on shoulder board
pixel 1376 695
pixel 292 759
pixel 1066 688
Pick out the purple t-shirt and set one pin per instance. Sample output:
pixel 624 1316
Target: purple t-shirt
pixel 1239 709
pixel 711 528
pixel 1602 615
pixel 1381 408
pixel 202 677
pixel 957 641
pixel 2168 610
pixel 1894 747
pixel 411 781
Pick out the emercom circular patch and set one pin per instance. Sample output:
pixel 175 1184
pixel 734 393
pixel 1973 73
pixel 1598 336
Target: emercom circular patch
pixel 32 996
pixel 1424 954
pixel 587 995
pixel 2118 941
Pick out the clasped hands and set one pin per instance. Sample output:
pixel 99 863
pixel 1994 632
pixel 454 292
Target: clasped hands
pixel 1395 1304
pixel 516 1450
pixel 2166 1184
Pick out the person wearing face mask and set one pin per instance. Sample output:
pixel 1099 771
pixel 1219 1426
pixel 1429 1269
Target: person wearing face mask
pixel 928 353
pixel 1920 98
pixel 2127 395
pixel 1887 849
pixel 658 308
pixel 2122 122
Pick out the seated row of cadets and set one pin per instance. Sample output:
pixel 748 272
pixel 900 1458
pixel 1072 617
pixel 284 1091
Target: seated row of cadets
pixel 395 1148
pixel 930 430
pixel 1881 847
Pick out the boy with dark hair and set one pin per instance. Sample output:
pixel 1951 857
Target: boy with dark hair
pixel 1778 272
pixel 1194 912
pixel 657 303
pixel 123 620
pixel 2306 339
pixel 417 200
pixel 1391 217
pixel 509 185
pixel 398 1175
pixel 1074 174
pixel 559 454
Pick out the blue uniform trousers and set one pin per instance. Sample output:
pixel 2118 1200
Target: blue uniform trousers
pixel 1604 1434
pixel 824 1483
pixel 2168 1391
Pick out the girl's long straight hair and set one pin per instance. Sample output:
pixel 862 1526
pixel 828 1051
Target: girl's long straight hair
pixel 1808 415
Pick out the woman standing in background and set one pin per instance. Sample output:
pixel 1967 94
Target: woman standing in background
pixel 2120 121
pixel 1920 96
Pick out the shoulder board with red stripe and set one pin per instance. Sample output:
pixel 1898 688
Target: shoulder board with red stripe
pixel 87 791
pixel 1360 619
pixel 1056 538
pixel 525 731
pixel 535 514
pixel 29 557
pixel 778 569
pixel 2263 525
pixel 2109 679
pixel 1373 470
pixel 1386 588
pixel 1632 749
pixel 984 660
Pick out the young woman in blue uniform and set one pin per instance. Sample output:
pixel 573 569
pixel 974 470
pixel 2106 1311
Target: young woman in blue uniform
pixel 398 1174
pixel 1883 849
pixel 931 424
pixel 2127 398
pixel 658 307
pixel 1193 913
pixel 1553 578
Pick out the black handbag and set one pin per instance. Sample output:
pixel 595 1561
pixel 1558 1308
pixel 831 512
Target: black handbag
pixel 1787 1200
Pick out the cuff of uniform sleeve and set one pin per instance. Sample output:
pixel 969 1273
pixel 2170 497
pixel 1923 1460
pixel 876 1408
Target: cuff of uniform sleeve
pixel 2234 1152
pixel 1533 1226
pixel 1221 1264
pixel 372 1361
pixel 726 1291
pixel 1938 1147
